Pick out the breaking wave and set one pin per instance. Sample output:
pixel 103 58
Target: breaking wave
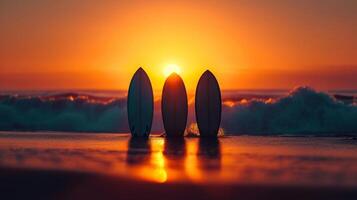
pixel 302 111
pixel 64 112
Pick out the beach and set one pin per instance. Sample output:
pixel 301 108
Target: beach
pixel 178 100
pixel 87 165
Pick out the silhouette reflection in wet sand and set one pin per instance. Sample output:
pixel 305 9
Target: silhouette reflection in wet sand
pixel 173 158
pixel 175 147
pixel 139 150
pixel 209 153
pixel 175 152
pixel 191 168
pixel 145 159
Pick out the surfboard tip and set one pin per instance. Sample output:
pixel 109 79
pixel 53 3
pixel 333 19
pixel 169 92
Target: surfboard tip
pixel 140 69
pixel 207 73
pixel 174 76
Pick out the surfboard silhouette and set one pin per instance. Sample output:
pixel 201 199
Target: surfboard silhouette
pixel 208 105
pixel 140 104
pixel 174 106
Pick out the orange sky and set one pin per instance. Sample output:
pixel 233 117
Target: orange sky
pixel 247 44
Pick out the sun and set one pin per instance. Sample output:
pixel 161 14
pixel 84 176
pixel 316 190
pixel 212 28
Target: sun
pixel 171 68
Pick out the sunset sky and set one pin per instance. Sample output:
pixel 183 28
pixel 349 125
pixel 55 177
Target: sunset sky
pixel 74 44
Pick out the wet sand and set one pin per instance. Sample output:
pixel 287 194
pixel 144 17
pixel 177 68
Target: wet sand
pixel 92 166
pixel 57 184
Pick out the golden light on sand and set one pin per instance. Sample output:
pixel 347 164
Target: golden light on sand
pixel 171 68
pixel 158 173
pixel 150 166
pixel 191 162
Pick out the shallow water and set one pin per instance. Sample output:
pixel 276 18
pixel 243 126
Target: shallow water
pixel 315 161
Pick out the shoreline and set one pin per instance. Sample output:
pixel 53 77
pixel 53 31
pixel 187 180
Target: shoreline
pixel 157 134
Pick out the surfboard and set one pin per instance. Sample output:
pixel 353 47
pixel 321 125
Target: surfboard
pixel 174 107
pixel 140 104
pixel 208 105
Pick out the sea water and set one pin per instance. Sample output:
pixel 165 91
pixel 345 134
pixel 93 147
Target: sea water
pixel 272 160
pixel 300 111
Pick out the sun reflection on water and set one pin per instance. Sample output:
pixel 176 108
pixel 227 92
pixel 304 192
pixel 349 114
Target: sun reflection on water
pixel 230 159
pixel 162 159
pixel 191 165
pixel 157 160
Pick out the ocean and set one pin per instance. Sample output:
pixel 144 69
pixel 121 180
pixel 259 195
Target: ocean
pixel 276 144
pixel 300 111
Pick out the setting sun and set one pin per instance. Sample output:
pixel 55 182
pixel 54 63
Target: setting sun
pixel 171 68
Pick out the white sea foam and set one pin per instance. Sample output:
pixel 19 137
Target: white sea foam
pixel 302 111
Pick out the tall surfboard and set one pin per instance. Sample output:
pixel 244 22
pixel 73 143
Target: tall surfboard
pixel 140 104
pixel 208 105
pixel 174 106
